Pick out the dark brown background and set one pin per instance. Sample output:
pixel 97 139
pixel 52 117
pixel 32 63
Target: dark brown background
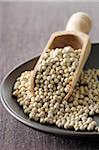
pixel 25 28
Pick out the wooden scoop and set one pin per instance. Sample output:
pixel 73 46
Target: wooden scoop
pixel 75 36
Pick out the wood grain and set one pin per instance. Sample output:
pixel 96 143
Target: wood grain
pixel 25 28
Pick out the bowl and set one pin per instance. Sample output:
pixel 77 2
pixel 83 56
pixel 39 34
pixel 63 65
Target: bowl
pixel 16 111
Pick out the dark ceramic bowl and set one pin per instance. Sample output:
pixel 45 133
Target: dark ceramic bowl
pixel 15 110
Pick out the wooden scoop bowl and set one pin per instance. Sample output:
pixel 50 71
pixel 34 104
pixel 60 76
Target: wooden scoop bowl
pixel 75 36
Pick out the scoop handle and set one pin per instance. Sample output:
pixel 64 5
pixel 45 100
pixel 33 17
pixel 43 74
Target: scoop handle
pixel 79 21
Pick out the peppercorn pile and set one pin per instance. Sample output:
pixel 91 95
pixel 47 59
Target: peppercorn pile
pixel 51 85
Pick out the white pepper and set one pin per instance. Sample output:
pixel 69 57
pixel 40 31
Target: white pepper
pixel 48 106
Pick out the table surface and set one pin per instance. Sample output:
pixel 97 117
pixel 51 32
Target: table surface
pixel 25 27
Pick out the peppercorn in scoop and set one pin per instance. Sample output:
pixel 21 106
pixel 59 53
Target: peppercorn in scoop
pixel 55 73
